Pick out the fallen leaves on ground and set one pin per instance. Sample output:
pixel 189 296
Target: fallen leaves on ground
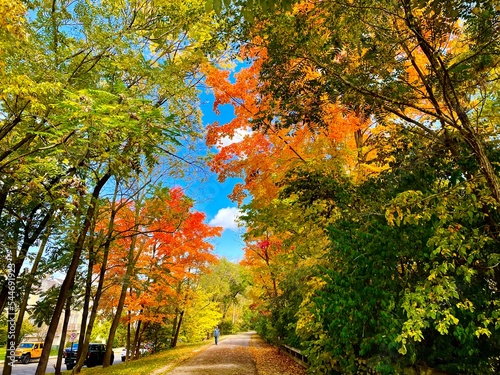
pixel 270 361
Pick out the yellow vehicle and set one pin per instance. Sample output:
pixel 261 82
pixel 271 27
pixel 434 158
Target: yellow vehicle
pixel 29 350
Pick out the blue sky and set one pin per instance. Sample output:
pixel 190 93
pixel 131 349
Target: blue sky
pixel 210 195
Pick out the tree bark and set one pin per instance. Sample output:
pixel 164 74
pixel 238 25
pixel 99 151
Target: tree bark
pixel 70 276
pixel 452 103
pixel 102 272
pixel 85 309
pixel 131 260
pixel 177 330
pixel 28 241
pixel 7 370
pixel 127 352
pixel 64 331
pixel 135 345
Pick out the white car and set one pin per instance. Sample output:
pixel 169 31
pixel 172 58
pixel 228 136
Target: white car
pixel 142 351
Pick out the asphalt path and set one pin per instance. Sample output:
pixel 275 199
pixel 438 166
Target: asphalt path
pixel 231 356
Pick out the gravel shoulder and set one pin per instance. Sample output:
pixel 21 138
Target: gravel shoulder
pixel 270 361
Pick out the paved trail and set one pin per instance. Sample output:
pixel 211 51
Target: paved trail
pixel 231 357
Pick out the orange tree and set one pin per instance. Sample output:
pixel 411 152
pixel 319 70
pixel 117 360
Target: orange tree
pixel 156 257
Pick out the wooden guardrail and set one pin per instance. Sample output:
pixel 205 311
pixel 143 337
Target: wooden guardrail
pixel 295 353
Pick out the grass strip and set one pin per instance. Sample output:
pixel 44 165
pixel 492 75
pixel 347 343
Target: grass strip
pixel 158 363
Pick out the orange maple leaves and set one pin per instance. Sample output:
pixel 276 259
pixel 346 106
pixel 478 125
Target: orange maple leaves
pixel 261 152
pixel 256 147
pixel 167 243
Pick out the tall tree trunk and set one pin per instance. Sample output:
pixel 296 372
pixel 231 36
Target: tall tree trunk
pixel 30 236
pixel 102 272
pixel 482 158
pixel 70 275
pixel 4 192
pixel 174 327
pixel 135 345
pixel 131 262
pixel 86 303
pixel 127 351
pixel 141 335
pixel 7 370
pixel 177 330
pixel 64 331
pixel 85 311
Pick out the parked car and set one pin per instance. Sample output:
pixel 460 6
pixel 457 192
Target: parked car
pixel 70 350
pixel 69 355
pixel 142 351
pixel 95 356
pixel 26 351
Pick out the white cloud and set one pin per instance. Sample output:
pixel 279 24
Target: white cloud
pixel 238 136
pixel 226 218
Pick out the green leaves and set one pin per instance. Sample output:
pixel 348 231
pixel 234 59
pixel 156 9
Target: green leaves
pixel 249 7
pixel 91 92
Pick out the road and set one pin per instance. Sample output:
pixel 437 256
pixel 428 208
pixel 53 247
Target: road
pixel 30 368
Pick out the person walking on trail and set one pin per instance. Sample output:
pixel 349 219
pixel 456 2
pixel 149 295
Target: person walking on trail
pixel 216 335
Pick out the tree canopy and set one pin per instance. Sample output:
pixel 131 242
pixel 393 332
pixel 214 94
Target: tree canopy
pixel 371 177
pixel 365 137
pixel 93 97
